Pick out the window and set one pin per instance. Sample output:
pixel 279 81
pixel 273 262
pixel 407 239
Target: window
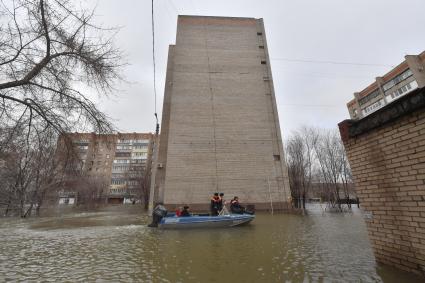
pixel 123 154
pixel 259 33
pixel 263 62
pixel 143 146
pixel 118 182
pixel 276 157
pixel 406 74
pixel 402 91
pixel 140 153
pixel 261 46
pixel 121 161
pixel 125 147
pixel 369 97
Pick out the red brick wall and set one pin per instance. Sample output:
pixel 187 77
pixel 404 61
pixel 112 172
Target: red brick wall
pixel 388 165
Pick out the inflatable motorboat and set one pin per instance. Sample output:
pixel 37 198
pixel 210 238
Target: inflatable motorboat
pixel 201 221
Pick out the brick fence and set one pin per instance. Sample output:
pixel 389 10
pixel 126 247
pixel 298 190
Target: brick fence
pixel 386 151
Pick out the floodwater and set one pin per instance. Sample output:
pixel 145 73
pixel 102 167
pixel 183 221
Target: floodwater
pixel 114 245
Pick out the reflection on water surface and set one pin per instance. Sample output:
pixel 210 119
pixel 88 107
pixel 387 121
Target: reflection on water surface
pixel 115 245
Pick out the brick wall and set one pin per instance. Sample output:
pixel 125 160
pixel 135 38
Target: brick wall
pixel 386 152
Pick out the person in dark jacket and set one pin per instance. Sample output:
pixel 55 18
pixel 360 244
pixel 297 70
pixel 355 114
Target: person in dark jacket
pixel 215 206
pixel 158 213
pixel 236 208
pixel 221 202
pixel 185 212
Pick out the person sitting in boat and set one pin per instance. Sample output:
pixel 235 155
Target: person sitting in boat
pixel 185 212
pixel 235 206
pixel 215 205
pixel 179 212
pixel 221 202
pixel 158 213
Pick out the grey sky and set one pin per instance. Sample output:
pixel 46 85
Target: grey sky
pixel 360 31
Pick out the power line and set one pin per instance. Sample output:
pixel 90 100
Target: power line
pixel 332 62
pixel 311 105
pixel 154 68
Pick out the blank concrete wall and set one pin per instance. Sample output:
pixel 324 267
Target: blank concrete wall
pixel 222 132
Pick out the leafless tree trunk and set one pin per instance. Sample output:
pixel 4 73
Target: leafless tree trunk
pixel 330 157
pixel 301 161
pixel 49 52
pixel 318 154
pixel 51 55
pixel 30 169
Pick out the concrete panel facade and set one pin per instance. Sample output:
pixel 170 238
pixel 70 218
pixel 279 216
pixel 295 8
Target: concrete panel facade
pixel 220 127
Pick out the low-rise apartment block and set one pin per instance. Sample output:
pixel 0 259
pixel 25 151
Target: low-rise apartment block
pixel 406 77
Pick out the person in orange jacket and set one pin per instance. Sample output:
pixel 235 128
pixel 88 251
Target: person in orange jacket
pixel 215 205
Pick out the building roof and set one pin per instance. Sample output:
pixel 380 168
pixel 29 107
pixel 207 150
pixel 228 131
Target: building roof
pixel 351 102
pixel 400 68
pixel 373 86
pixel 213 20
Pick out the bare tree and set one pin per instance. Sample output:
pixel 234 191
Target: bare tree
pixel 49 52
pixel 52 57
pixel 301 162
pixel 318 155
pixel 144 184
pixel 330 158
pixel 91 190
pixel 31 170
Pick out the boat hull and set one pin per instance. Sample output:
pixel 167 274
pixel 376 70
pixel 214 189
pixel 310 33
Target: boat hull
pixel 205 221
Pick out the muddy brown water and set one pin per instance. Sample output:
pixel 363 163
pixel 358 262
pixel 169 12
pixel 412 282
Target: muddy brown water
pixel 114 245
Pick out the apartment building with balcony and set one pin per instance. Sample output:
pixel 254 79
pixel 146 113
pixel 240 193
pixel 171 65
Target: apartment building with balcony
pixel 404 78
pixel 119 163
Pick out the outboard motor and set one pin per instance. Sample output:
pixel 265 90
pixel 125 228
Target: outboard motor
pixel 250 209
pixel 158 213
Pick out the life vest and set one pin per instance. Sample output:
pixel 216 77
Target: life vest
pixel 215 199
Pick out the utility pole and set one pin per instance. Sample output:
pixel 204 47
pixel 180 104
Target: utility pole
pixel 154 168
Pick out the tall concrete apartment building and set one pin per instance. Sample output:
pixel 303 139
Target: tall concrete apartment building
pixel 406 77
pixel 118 162
pixel 220 126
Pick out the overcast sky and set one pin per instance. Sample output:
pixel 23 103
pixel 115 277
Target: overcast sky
pixel 375 32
